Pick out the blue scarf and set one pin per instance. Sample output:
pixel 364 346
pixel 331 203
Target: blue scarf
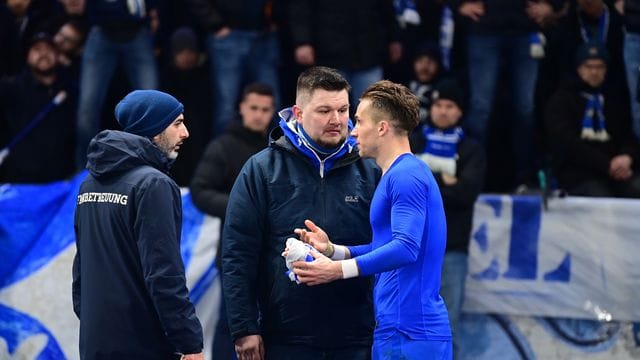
pixel 406 13
pixel 603 28
pixel 447 26
pixel 593 121
pixel 322 158
pixel 442 143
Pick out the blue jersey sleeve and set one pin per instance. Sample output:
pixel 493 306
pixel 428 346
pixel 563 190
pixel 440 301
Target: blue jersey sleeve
pixel 358 250
pixel 408 196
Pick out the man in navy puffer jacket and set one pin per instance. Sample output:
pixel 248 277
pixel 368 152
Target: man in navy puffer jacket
pixel 311 170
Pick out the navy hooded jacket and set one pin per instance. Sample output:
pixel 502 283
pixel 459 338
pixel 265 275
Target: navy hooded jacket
pixel 276 190
pixel 129 288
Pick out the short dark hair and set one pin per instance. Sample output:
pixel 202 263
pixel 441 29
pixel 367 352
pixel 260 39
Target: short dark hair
pixel 395 101
pixel 320 77
pixel 257 88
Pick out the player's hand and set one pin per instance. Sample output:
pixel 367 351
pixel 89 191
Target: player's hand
pixel 320 271
pixel 314 236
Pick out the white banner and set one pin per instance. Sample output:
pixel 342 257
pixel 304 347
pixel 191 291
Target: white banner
pixel 37 246
pixel 578 259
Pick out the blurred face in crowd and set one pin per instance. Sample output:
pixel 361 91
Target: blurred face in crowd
pixel 324 116
pixel 18 7
pixel 186 59
pixel 591 8
pixel 425 69
pixel 445 113
pixel 257 111
pixel 172 137
pixel 42 57
pixel 366 130
pixel 73 7
pixel 68 40
pixel 593 72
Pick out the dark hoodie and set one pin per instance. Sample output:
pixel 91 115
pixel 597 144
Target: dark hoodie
pixel 129 288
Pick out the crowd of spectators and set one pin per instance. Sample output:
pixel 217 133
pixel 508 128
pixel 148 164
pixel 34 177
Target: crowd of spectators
pixel 547 89
pixel 65 63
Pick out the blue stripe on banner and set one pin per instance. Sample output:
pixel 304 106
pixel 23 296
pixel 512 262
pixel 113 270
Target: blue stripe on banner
pixel 34 226
pixel 523 255
pixel 481 238
pixel 22 331
pixel 192 220
pixel 562 273
pixel 205 282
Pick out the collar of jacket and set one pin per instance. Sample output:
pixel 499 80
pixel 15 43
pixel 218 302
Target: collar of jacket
pixel 287 137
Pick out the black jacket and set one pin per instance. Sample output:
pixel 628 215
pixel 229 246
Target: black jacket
pixel 235 14
pixel 350 35
pixel 459 199
pixel 220 165
pixel 567 37
pixel 503 17
pixel 129 288
pixel 193 89
pixel 278 189
pixel 576 160
pixel 45 154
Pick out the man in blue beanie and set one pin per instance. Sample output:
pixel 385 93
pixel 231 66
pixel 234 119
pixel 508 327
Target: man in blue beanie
pixel 129 287
pixel 593 148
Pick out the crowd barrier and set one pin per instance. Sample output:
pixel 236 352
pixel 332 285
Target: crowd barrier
pixel 561 283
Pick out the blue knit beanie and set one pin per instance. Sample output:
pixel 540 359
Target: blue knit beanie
pixel 592 50
pixel 147 112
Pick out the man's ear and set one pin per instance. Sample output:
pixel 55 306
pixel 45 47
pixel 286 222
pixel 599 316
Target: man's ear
pixel 383 127
pixel 297 112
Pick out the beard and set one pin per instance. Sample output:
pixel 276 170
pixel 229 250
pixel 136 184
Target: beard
pixel 167 147
pixel 332 144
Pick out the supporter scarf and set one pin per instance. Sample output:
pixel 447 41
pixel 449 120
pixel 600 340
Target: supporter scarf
pixel 442 143
pixel 603 28
pixel 447 28
pixel 441 149
pixel 593 121
pixel 406 13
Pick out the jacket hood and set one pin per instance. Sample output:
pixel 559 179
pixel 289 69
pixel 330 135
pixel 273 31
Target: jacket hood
pixel 112 152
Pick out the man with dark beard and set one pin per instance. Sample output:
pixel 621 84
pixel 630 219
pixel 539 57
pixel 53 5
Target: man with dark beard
pixel 129 287
pixel 38 118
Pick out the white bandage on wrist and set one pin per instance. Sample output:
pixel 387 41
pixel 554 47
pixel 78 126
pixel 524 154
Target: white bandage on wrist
pixel 339 252
pixel 349 269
